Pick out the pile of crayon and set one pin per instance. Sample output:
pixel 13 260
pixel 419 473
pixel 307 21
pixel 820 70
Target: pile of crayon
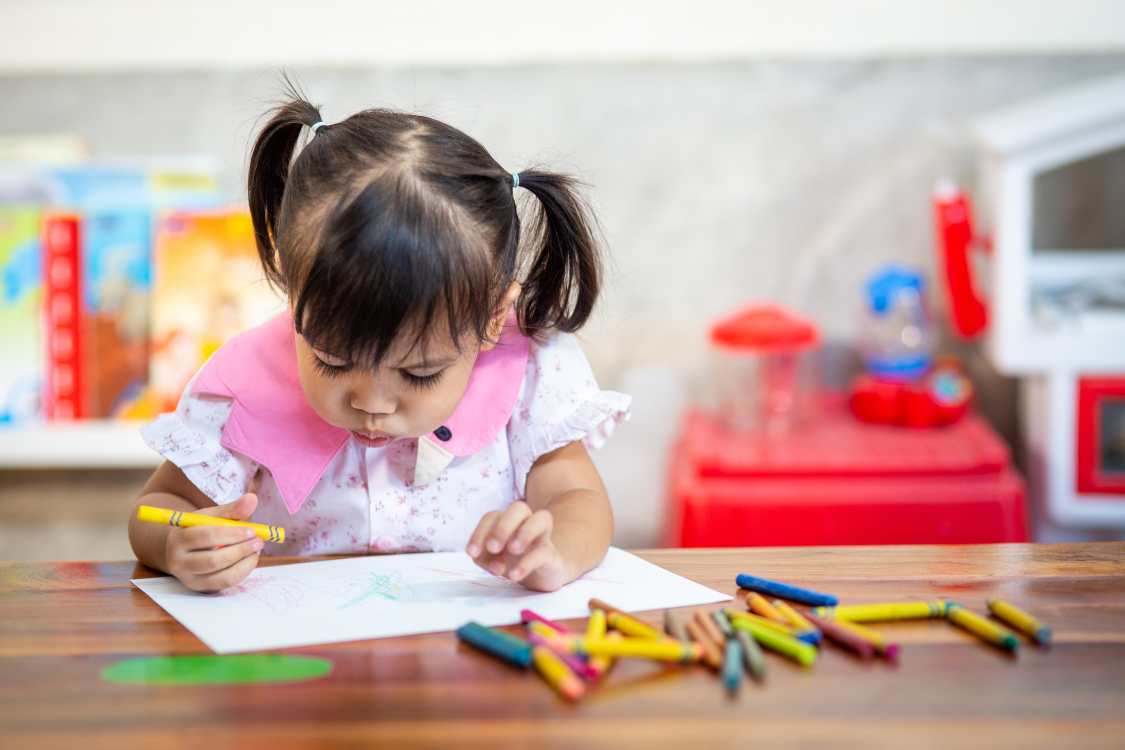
pixel 731 641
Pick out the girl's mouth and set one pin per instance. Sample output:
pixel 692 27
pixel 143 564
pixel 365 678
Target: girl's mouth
pixel 372 439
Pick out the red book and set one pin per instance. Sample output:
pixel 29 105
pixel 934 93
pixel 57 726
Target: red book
pixel 63 389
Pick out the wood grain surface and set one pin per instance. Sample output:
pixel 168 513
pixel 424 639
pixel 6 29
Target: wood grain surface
pixel 62 623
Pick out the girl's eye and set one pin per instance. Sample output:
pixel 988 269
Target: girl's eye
pixel 329 370
pixel 422 382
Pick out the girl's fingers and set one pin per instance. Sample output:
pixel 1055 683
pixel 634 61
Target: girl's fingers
pixel 196 538
pixel 538 525
pixel 475 546
pixel 509 521
pixel 213 561
pixel 226 578
pixel 532 561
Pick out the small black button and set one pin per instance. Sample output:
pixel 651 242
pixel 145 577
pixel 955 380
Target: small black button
pixel 443 433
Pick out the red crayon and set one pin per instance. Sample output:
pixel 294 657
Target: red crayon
pixel 842 636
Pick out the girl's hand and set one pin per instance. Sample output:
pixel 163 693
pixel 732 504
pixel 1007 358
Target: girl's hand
pixel 517 544
pixel 212 558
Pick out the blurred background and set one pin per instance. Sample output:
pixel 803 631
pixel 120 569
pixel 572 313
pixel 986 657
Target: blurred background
pixel 783 155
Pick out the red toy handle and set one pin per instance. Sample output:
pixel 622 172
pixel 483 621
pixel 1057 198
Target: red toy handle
pixel 954 219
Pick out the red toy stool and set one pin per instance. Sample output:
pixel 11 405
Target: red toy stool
pixel 840 481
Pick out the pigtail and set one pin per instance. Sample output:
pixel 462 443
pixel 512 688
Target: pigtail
pixel 565 270
pixel 269 172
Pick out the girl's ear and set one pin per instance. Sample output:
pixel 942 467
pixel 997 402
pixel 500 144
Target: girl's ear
pixel 496 325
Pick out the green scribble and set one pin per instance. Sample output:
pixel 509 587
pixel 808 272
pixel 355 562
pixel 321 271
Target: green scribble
pixel 371 585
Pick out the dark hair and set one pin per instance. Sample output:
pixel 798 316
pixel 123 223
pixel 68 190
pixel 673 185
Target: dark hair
pixel 387 219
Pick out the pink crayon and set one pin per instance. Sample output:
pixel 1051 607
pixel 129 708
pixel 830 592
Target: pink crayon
pixel 528 616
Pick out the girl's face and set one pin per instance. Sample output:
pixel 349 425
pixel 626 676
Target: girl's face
pixel 412 392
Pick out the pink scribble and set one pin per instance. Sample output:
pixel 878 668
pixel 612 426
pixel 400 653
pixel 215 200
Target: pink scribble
pixel 279 593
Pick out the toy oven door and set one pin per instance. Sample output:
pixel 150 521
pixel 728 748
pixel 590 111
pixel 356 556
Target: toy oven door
pixel 1101 436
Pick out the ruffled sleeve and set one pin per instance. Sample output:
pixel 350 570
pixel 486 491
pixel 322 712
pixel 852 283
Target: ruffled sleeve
pixel 558 403
pixel 190 438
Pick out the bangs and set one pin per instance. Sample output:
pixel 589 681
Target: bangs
pixel 392 261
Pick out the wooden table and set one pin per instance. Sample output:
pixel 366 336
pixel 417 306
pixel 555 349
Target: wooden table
pixel 62 623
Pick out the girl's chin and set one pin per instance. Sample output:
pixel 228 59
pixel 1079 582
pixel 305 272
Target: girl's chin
pixel 372 440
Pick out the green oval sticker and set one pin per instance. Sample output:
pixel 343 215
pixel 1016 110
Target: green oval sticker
pixel 239 669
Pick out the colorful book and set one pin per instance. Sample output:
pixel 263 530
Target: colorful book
pixel 115 255
pixel 207 287
pixel 21 288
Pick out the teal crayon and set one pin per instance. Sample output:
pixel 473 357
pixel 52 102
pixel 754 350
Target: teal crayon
pixel 497 643
pixel 721 620
pixel 751 653
pixel 732 665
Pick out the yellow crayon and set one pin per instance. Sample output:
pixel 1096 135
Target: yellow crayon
pixel 645 648
pixel 595 627
pixel 759 606
pixel 984 629
pixel 884 612
pixel 601 664
pixel 543 629
pixel 1020 620
pixel 631 627
pixel 774 625
pixel 792 616
pixel 883 647
pixel 179 518
pixel 557 674
pixel 786 645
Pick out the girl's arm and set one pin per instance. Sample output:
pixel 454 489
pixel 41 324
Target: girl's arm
pixel 562 531
pixel 204 558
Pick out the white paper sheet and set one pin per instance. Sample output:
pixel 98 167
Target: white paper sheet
pixel 377 597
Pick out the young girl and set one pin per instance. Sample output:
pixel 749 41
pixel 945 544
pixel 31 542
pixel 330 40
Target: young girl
pixel 422 392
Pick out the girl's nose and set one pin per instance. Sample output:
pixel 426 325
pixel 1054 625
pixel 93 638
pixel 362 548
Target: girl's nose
pixel 373 400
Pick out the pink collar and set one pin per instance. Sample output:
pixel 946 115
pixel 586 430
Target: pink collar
pixel 272 423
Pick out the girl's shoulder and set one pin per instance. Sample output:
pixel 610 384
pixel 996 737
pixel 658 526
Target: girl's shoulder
pixel 560 402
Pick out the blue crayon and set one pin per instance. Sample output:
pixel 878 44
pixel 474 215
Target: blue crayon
pixel 496 642
pixel 732 665
pixel 811 637
pixel 785 591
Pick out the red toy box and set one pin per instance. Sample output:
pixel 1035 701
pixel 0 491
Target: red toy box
pixel 840 481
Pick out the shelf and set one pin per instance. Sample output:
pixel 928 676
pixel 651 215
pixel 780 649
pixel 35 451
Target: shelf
pixel 81 445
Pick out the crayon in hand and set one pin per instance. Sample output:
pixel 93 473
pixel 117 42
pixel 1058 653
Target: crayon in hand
pixel 179 518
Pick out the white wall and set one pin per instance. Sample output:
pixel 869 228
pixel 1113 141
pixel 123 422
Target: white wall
pixel 716 183
pixel 121 35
